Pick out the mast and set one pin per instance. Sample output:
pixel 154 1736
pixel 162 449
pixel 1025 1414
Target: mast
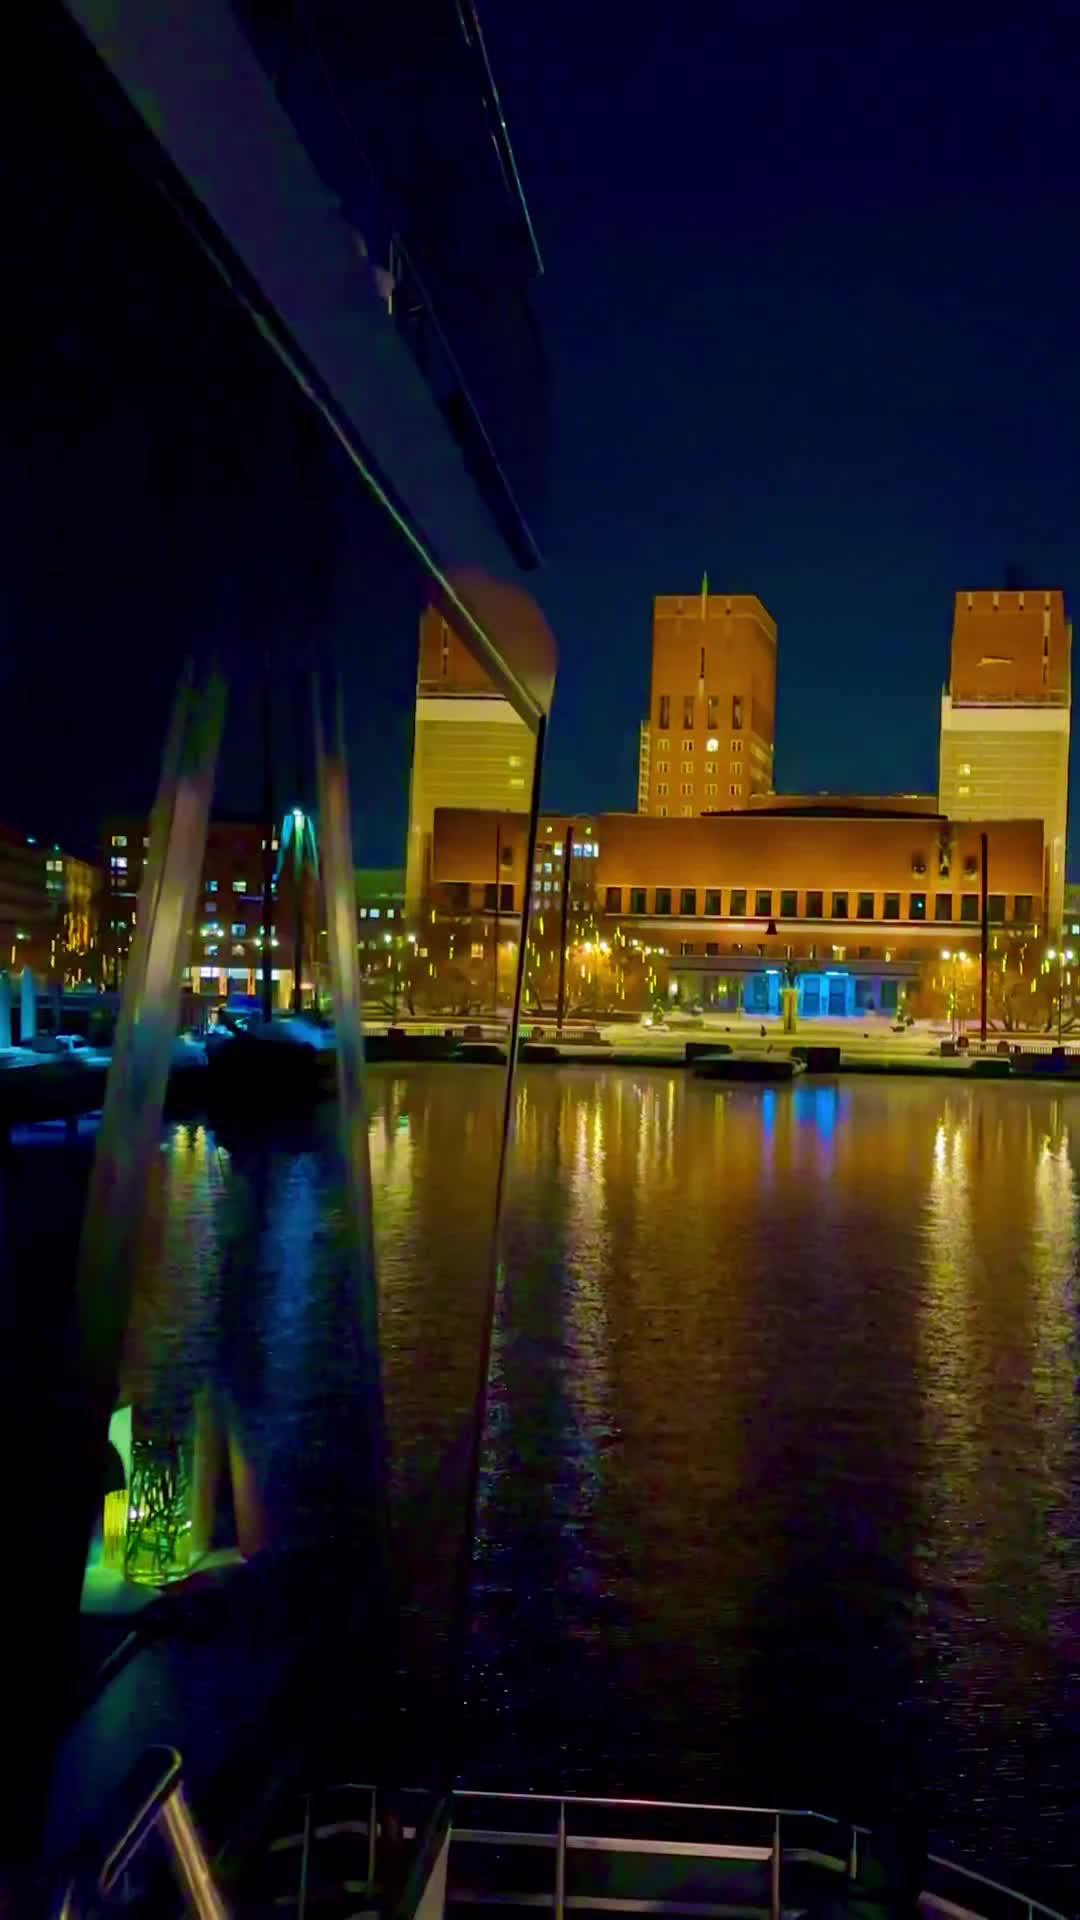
pixel 268 847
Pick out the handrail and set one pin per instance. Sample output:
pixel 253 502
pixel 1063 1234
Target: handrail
pixel 776 1814
pixel 161 1803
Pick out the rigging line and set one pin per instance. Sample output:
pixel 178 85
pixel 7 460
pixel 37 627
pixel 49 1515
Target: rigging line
pixel 461 1618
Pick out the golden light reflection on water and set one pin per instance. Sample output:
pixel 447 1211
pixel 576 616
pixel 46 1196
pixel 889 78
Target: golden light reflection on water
pixel 785 1408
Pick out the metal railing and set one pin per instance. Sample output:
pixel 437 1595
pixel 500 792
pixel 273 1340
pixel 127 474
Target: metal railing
pixel 845 1861
pixel 154 1800
pixel 160 1806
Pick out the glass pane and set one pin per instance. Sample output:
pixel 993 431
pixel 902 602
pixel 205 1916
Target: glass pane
pixel 211 1396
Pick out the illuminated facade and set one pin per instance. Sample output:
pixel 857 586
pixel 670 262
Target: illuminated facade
pixel 227 936
pixel 847 906
pixel 48 910
pixel 1005 720
pixel 707 745
pixel 470 748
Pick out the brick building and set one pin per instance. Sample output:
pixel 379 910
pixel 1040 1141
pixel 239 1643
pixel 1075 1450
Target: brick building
pixel 707 745
pixel 851 902
pixel 227 934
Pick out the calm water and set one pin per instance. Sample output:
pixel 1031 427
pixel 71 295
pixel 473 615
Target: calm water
pixel 783 1491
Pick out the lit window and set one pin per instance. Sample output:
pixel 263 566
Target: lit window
pixel 477 949
pixel 374 913
pixel 119 839
pixel 239 886
pixel 712 744
pixel 238 950
pixel 514 760
pixel 710 766
pixel 211 886
pixel 965 766
pixel 963 790
pixel 661 746
pixel 363 913
pixel 238 929
pixel 211 950
pixel 118 860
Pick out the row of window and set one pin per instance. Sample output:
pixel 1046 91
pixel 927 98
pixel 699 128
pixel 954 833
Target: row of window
pixel 689 711
pixel 785 904
pixel 663 746
pixel 710 790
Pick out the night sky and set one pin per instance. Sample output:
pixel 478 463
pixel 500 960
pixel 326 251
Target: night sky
pixel 812 300
pixel 812 307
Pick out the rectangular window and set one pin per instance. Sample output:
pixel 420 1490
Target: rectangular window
pixel 789 904
pixel 239 886
pixel 661 789
pixel 763 902
pixel 736 711
pixel 738 901
pixel 815 905
pixel 969 906
pixel 119 839
pixel 686 788
pixel 688 747
pixel 662 746
pixel 712 948
pixel 613 900
pixel 664 720
pixel 865 907
pixel 506 896
pixel 995 904
pixel 688 900
pixel 1022 907
pixel 477 949
pixel 839 906
pixel 663 900
pixel 238 929
pixel 686 946
pixel 491 895
pixel 710 789
pixel 210 950
pixel 687 812
pixel 734 792
pixel 637 900
pixel 916 906
pixel 712 707
pixel 943 906
pixel 712 900
pixel 710 766
pixel 890 907
pixel 688 710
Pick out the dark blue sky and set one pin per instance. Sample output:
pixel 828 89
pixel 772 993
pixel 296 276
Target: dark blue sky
pixel 812 306
pixel 813 309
